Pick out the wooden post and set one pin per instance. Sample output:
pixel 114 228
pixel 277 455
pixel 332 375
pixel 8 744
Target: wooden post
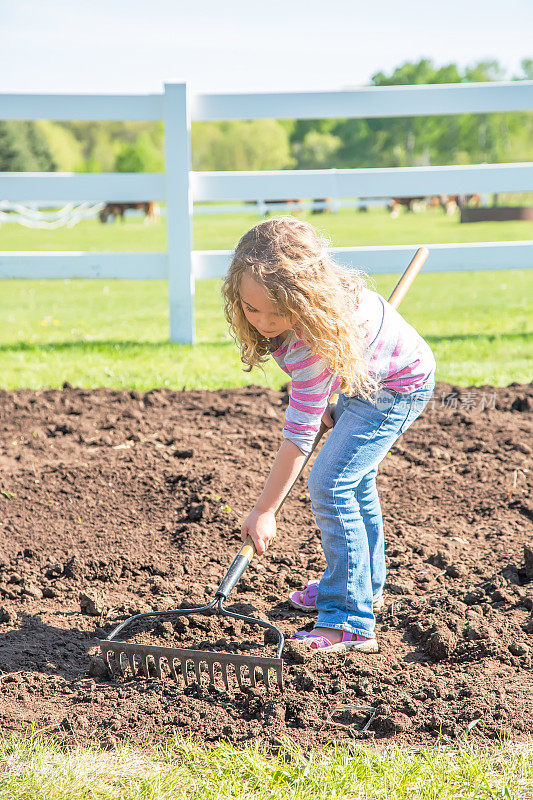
pixel 179 214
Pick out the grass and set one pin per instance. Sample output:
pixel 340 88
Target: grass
pixel 221 231
pixel 35 768
pixel 115 333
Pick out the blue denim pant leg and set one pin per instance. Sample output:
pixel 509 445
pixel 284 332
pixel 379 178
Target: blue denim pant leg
pixel 346 504
pixel 366 494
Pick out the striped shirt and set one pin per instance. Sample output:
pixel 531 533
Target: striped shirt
pixel 397 356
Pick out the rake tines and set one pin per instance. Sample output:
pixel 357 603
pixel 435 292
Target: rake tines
pixel 192 665
pixel 188 666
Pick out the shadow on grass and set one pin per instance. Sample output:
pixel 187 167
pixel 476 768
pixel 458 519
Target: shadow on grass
pixel 489 337
pixel 97 345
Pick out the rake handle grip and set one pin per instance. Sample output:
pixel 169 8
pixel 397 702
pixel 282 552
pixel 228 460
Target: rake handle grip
pixel 236 568
pixel 247 551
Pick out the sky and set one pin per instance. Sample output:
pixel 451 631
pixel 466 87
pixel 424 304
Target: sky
pixel 135 46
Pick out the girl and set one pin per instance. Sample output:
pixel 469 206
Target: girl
pixel 286 298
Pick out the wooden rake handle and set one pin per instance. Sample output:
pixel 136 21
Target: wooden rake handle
pixel 248 551
pixel 402 287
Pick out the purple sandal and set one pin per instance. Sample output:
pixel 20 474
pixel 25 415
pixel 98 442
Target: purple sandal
pixel 305 599
pixel 349 641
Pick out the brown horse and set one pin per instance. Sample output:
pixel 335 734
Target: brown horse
pixel 151 210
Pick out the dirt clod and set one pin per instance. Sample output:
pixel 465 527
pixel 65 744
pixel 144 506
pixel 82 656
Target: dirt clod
pixel 97 668
pixel 92 603
pixel 196 511
pixel 7 617
pixel 519 648
pixel 296 652
pixel 440 644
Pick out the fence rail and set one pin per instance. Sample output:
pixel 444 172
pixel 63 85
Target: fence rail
pixel 367 102
pixel 393 182
pixel 214 263
pixel 276 184
pixel 179 186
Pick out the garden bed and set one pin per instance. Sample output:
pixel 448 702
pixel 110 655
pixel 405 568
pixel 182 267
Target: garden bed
pixel 114 502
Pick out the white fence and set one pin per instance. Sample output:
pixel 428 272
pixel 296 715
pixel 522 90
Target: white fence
pixel 178 185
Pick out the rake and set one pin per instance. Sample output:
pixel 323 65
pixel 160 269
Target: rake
pixel 185 665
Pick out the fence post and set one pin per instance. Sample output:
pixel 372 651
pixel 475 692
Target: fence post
pixel 179 213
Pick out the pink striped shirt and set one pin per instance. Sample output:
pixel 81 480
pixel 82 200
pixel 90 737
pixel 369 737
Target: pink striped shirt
pixel 398 359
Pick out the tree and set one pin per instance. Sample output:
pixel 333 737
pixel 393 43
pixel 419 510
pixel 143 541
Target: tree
pixel 143 156
pixel 24 148
pixel 66 150
pixel 317 151
pixel 240 145
pixel 447 139
pixel 129 159
pixel 413 140
pixel 527 69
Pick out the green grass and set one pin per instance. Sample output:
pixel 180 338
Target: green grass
pixel 221 231
pixel 34 768
pixel 115 333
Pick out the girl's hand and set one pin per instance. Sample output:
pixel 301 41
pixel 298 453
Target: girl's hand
pixel 261 526
pixel 327 416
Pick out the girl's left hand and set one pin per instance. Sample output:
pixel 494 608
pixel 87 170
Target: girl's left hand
pixel 261 526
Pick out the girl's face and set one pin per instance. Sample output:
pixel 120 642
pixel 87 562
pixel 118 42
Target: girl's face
pixel 260 311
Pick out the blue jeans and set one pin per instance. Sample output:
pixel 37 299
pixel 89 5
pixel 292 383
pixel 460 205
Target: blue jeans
pixel 345 502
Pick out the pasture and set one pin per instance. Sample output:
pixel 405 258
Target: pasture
pixel 221 231
pixel 115 333
pixel 180 769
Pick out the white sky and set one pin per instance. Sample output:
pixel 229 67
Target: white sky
pixel 134 46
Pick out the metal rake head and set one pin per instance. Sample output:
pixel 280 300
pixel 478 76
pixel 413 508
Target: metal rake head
pixel 188 666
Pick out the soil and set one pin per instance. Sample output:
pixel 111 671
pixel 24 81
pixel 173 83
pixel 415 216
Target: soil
pixel 117 502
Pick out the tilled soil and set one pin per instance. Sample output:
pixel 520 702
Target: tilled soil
pixel 114 503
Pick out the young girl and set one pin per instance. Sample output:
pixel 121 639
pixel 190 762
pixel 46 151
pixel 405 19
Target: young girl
pixel 286 298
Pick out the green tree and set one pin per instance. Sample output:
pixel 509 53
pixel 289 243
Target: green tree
pixel 317 151
pixel 240 145
pixel 281 144
pixel 302 127
pixel 129 159
pixel 527 69
pixel 24 148
pixel 66 150
pixel 484 71
pixel 435 139
pixel 410 141
pixel 143 156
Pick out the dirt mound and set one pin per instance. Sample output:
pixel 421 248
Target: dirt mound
pixel 120 502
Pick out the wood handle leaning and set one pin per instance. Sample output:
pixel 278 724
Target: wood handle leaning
pixel 400 290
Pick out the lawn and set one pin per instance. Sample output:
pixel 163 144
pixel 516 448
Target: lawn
pixel 115 333
pixel 220 232
pixel 34 768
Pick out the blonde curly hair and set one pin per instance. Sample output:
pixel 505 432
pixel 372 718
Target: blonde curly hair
pixel 290 259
